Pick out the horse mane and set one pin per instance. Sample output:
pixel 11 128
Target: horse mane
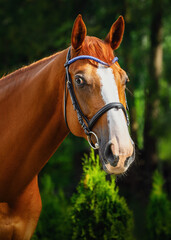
pixel 24 69
pixel 97 48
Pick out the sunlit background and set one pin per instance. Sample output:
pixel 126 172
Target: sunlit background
pixel 33 29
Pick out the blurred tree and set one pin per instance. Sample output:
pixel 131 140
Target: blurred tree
pixel 152 84
pixel 158 211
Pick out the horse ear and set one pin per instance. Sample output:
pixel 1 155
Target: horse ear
pixel 115 35
pixel 79 32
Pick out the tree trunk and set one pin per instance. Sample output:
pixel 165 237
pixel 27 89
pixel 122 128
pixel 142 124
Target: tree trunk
pixel 152 85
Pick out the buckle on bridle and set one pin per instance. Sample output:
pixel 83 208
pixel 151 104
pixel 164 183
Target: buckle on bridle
pixel 89 138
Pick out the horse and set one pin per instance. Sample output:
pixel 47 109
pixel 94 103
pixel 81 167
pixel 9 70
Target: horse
pixel 80 89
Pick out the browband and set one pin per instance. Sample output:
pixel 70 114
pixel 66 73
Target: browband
pixel 90 58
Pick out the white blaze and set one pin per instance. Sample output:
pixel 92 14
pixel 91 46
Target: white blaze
pixel 116 120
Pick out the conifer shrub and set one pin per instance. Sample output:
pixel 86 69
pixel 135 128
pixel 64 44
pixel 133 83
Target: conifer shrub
pixel 98 212
pixel 158 211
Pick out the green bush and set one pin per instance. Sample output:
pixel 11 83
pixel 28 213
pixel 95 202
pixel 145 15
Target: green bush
pixel 158 211
pixel 98 212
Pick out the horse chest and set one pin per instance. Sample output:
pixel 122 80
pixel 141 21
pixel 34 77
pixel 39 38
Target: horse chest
pixel 18 219
pixel 7 223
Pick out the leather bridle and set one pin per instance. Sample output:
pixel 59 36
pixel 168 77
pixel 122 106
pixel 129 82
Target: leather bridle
pixel 85 123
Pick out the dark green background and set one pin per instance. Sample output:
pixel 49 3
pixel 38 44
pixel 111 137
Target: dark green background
pixel 33 29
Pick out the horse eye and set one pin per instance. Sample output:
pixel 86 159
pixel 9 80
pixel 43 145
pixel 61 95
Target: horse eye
pixel 79 80
pixel 126 80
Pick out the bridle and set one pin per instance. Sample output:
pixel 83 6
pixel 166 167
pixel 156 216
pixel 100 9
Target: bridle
pixel 86 124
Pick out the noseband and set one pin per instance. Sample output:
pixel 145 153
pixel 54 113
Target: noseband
pixel 86 124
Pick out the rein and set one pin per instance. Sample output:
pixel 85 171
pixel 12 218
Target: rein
pixel 86 124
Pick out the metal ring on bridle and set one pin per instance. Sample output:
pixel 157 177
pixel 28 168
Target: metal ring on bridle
pixel 95 145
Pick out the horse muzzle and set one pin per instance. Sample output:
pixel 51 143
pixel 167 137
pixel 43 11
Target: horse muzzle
pixel 116 162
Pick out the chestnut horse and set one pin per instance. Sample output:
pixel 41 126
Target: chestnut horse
pixel 32 122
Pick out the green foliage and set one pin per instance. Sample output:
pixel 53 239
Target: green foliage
pixel 54 221
pixel 139 104
pixel 98 212
pixel 61 166
pixel 159 211
pixel 31 30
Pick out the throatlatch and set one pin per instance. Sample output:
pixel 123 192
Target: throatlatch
pixel 86 124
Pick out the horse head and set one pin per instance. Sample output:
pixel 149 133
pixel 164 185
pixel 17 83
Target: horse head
pixel 98 81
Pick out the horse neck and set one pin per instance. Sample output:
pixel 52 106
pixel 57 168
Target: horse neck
pixel 33 123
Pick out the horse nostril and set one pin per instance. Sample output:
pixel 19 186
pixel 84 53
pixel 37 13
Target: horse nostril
pixel 115 161
pixel 110 157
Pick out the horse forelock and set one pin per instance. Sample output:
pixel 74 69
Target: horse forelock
pixel 95 47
